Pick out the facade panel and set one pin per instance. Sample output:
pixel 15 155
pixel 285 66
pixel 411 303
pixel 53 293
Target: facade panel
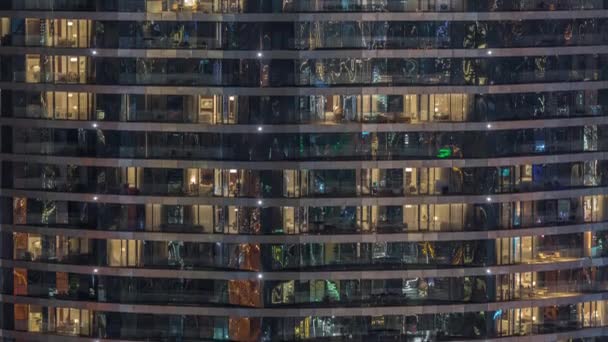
pixel 366 170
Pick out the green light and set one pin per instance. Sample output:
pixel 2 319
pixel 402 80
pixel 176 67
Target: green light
pixel 444 153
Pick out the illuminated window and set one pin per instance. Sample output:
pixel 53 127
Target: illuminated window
pixel 124 252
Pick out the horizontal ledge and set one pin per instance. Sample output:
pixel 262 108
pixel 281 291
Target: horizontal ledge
pixel 310 16
pixel 552 122
pixel 308 165
pixel 414 236
pixel 549 337
pixel 303 54
pixel 50 337
pixel 308 90
pixel 306 275
pixel 306 202
pixel 302 312
pixel 565 335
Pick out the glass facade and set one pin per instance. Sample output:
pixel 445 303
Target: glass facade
pixel 327 170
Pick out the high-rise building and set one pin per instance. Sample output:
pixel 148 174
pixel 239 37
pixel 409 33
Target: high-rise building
pixel 276 170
